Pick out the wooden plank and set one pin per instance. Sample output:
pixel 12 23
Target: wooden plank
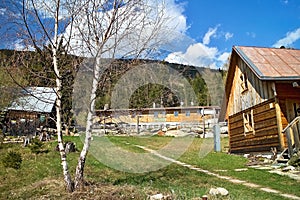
pixel 269 114
pixel 296 137
pixel 257 108
pixel 265 123
pixel 289 141
pixel 236 118
pixel 279 125
pixel 253 149
pixel 267 132
pixel 266 106
pixel 236 132
pixel 285 90
pixel 262 141
pixel 237 124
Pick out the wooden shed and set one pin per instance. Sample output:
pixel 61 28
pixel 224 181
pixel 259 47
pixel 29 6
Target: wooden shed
pixel 262 99
pixel 33 108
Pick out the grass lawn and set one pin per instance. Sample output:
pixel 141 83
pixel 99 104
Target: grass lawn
pixel 40 175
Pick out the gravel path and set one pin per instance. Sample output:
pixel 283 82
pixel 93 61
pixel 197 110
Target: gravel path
pixel 228 178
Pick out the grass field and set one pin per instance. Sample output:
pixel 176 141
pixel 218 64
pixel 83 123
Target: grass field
pixel 40 175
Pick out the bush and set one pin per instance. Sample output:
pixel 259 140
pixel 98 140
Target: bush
pixel 12 160
pixel 36 146
pixel 295 160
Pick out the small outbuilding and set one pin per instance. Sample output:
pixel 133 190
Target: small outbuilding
pixel 35 107
pixel 262 99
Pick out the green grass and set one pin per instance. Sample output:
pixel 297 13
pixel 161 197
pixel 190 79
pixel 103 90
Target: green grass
pixel 40 176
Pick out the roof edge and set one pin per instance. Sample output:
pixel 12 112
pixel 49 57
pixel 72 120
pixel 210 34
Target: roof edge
pixel 247 60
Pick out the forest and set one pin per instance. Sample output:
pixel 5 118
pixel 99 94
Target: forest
pixel 23 69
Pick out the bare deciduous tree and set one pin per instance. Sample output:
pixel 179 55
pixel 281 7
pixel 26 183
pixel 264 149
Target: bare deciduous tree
pixel 91 28
pixel 124 29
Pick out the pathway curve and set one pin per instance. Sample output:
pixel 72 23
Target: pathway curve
pixel 228 178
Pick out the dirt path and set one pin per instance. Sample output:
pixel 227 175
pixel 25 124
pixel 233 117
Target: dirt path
pixel 228 178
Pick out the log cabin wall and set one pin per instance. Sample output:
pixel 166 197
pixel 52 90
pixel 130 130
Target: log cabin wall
pixel 261 78
pixel 264 135
pixel 289 99
pixel 247 90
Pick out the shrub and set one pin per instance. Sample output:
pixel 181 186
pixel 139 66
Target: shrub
pixel 36 146
pixel 295 160
pixel 12 160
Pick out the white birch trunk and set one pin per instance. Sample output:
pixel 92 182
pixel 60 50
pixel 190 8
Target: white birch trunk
pixel 89 124
pixel 63 156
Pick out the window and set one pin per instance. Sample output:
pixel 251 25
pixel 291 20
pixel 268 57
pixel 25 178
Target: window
pixel 244 84
pixel 156 114
pixel 187 113
pixel 248 122
pixel 175 113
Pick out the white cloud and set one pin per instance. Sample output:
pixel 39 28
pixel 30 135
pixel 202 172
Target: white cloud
pixel 228 36
pixel 200 54
pixel 224 57
pixel 19 45
pixel 2 11
pixel 210 33
pixel 162 22
pixel 289 39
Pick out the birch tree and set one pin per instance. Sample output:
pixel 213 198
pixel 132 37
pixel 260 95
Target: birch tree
pixel 40 24
pixel 97 29
pixel 122 29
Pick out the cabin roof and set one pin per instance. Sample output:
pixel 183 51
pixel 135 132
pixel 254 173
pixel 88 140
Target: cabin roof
pixel 271 63
pixel 268 64
pixel 35 99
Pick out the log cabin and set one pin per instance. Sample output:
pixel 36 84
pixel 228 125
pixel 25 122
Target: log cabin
pixel 262 99
pixel 35 107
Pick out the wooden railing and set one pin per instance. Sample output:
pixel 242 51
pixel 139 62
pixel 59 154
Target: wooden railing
pixel 292 132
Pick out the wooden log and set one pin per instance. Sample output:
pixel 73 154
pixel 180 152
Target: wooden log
pixel 296 136
pixel 289 141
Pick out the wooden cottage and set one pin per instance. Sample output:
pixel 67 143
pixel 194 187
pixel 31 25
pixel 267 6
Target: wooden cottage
pixel 262 99
pixel 32 109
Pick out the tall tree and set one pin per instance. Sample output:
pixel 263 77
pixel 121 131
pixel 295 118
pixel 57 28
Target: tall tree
pixel 89 28
pixel 123 29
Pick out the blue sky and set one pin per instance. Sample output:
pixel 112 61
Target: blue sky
pixel 220 24
pixel 206 30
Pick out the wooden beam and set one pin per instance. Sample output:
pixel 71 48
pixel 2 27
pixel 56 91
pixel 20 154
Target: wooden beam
pixel 279 124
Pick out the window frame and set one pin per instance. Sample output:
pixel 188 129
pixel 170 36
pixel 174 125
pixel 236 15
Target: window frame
pixel 244 82
pixel 248 122
pixel 176 113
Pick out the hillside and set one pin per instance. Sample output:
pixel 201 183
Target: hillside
pixel 34 69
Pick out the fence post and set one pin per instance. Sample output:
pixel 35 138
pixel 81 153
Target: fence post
pixel 217 138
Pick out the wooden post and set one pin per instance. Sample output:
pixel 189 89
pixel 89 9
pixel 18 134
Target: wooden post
pixel 279 125
pixel 289 141
pixel 138 124
pixel 217 138
pixel 296 137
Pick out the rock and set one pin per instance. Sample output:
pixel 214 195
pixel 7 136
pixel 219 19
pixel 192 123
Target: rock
pixel 213 192
pixel 204 197
pixel 223 191
pixel 70 147
pixel 218 191
pixel 241 169
pixel 157 197
pixel 164 129
pixel 288 168
pixel 160 197
pixel 160 133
